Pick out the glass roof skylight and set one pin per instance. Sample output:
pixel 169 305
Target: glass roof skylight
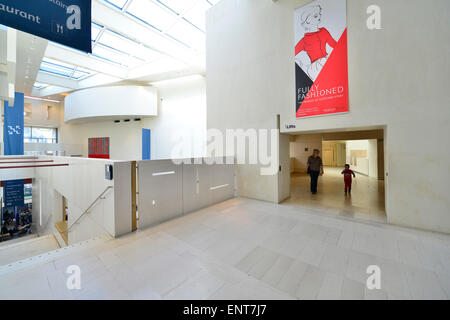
pixel 169 17
pixel 120 43
pixel 164 35
pixel 117 3
pixel 151 13
pixel 57 68
pixel 63 69
pixel 178 6
pixel 96 29
pixel 189 34
pixel 115 56
pixel 197 15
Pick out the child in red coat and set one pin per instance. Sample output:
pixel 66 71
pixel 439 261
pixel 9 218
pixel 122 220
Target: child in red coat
pixel 348 178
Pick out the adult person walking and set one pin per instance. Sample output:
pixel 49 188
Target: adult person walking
pixel 315 168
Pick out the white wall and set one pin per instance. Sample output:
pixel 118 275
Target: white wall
pixel 181 111
pixel 42 113
pixel 362 165
pixel 181 114
pixel 81 183
pixel 297 150
pixel 373 158
pixel 243 90
pixel 125 137
pixel 366 165
pixel 250 72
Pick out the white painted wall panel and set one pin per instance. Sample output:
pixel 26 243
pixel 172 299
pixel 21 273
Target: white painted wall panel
pixel 251 79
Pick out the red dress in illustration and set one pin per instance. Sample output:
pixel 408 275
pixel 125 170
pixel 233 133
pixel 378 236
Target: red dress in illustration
pixel 314 42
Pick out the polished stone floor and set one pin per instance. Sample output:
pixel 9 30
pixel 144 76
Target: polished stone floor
pixel 366 201
pixel 248 249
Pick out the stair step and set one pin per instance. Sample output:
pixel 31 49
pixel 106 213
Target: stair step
pixel 60 240
pixel 51 255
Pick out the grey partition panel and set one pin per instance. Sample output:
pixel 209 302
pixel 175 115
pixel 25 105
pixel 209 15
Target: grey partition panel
pixel 197 181
pixel 160 192
pixel 222 182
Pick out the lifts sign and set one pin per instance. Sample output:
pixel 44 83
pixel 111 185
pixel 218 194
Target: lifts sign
pixel 321 65
pixel 67 22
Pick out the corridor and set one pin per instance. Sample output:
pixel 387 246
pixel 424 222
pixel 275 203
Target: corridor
pixel 365 203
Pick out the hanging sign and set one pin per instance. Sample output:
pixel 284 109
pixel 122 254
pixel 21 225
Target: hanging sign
pixel 67 22
pixel 321 65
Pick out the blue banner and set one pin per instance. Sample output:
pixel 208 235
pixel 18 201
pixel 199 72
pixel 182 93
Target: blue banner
pixel 14 193
pixel 13 127
pixel 67 22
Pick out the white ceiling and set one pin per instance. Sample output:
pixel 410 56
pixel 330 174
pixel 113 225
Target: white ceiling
pixel 132 41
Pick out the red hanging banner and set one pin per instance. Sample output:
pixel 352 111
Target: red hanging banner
pixel 321 62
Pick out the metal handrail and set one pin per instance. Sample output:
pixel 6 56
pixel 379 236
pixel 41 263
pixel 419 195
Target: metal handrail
pixel 89 208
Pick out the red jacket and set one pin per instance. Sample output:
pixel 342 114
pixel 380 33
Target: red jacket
pixel 348 174
pixel 315 44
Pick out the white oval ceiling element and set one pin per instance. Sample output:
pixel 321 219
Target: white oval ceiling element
pixel 111 103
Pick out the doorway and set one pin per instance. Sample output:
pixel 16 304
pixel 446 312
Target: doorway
pixel 363 151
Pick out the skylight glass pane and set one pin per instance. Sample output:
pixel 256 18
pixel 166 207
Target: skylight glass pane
pixel 188 34
pixel 112 40
pixel 152 14
pixel 56 67
pixel 120 43
pixel 107 54
pixel 48 60
pixel 197 15
pixel 117 57
pixel 157 41
pixel 117 3
pixel 81 73
pixel 179 6
pixel 214 2
pixel 95 31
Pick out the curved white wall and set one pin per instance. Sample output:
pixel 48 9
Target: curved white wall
pixel 111 102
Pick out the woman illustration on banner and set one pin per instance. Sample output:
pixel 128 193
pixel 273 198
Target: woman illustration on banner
pixel 314 42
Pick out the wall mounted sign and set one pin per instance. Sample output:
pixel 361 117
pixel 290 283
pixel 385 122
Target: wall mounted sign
pixel 67 22
pixel 98 148
pixel 321 65
pixel 14 194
